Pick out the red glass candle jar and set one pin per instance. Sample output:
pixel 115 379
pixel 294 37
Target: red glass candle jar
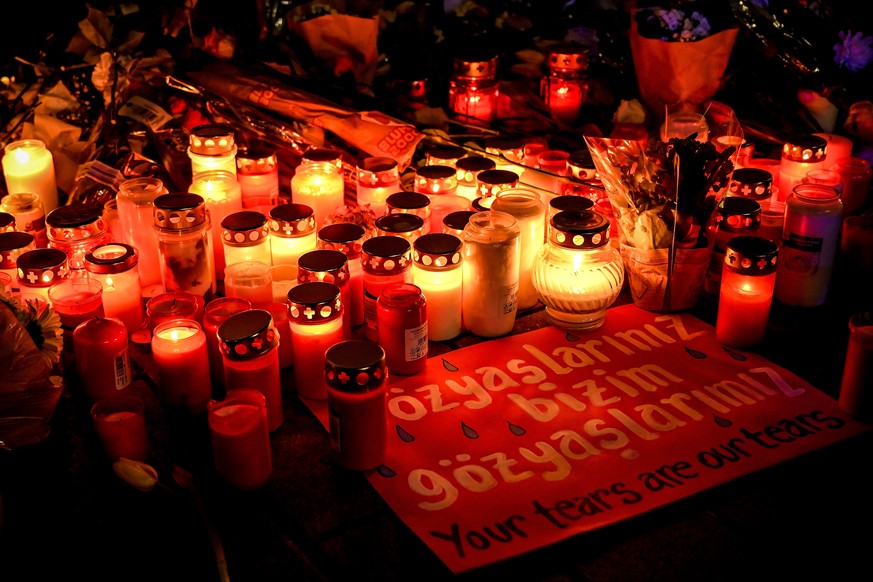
pixel 332 267
pixel 292 233
pixel 356 377
pixel 347 237
pixel 215 313
pixel 114 265
pixel 315 310
pixel 119 421
pixel 174 305
pixel 182 363
pixel 102 357
pixel 240 438
pixel 75 300
pixel 257 171
pixel 378 177
pixel 385 260
pixel 249 345
pixel 473 89
pixel 402 326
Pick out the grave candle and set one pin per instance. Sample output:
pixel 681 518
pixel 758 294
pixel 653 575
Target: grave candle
pixel 856 397
pixel 120 423
pixel 316 317
pixel 222 195
pixel 174 305
pixel 102 357
pixel 182 364
pixel 136 210
pixel 29 215
pixel 76 300
pixel 114 265
pixel 28 167
pixel 292 233
pixel 319 186
pixel 212 147
pixel 215 313
pixel 257 171
pixel 377 178
pixel 746 293
pixel 240 439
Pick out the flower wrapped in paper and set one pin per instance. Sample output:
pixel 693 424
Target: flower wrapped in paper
pixel 663 195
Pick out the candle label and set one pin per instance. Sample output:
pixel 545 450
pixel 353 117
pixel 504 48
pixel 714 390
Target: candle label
pixel 802 253
pixel 122 370
pixel 415 342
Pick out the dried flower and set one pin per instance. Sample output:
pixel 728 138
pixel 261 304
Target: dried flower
pixel 43 326
pixel 854 51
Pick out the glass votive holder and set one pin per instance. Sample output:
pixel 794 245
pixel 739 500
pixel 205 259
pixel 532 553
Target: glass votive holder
pixel 251 280
pixel 284 277
pixel 684 123
pixel 120 423
pixel 174 305
pixel 75 300
pixel 553 161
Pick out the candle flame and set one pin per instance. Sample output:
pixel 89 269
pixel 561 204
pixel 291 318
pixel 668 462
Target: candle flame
pixel 21 155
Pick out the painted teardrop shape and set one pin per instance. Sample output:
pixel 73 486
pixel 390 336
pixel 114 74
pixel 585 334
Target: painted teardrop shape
pixel 722 422
pixel 449 366
pixel 571 338
pixel 469 432
pixel 735 355
pixel 515 429
pixel 695 353
pixel 386 471
pixel 403 434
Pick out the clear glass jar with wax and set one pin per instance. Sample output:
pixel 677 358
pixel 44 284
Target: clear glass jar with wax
pixel 29 215
pixel 410 203
pixel 246 237
pixel 315 312
pixel 437 271
pixel 240 439
pixel 578 274
pixel 377 178
pixel 136 201
pixel 212 147
pixel 76 229
pixel 257 171
pixel 292 233
pixel 357 397
pixel 491 267
pixel 115 266
pixel 385 259
pixel 319 186
pixel 401 311
pixel 248 342
pixel 182 225
pixel 530 212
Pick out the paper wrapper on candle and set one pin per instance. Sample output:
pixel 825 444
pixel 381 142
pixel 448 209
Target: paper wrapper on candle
pixel 672 72
pixel 371 132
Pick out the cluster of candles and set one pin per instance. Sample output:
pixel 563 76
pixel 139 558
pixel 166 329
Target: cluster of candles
pixel 228 285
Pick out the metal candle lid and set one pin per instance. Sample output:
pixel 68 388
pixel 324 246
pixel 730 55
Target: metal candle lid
pixel 579 229
pixel 355 366
pixel 346 237
pixel 754 183
pixel 436 179
pixel 314 302
pixel 179 211
pixel 247 335
pixel 323 155
pixel 7 222
pixel 457 220
pixel 244 228
pixel 470 167
pixel 490 182
pixel 570 202
pixel 323 265
pixel 75 222
pixel 445 154
pixel 484 68
pixel 386 254
pixel 580 165
pixel 511 148
pixel 12 244
pixel 400 224
pixel 256 160
pixel 378 172
pixel 111 258
pixel 407 200
pixel 212 140
pixel 567 58
pixel 737 213
pixel 751 255
pixel 292 220
pixel 805 148
pixel 42 267
pixel 437 250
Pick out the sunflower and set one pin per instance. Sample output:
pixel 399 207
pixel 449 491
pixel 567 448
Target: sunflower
pixel 42 324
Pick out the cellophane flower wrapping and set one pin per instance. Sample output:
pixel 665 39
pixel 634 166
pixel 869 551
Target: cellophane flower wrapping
pixel 670 72
pixel 663 196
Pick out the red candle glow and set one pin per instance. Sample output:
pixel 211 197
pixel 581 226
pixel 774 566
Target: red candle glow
pixel 316 317
pixel 120 424
pixel 216 312
pixel 746 292
pixel 856 398
pixel 402 327
pixel 182 363
pixel 174 305
pixel 102 357
pixel 240 439
pixel 76 300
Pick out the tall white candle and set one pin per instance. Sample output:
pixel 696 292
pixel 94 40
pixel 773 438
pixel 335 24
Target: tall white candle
pixel 221 191
pixel 319 186
pixel 28 167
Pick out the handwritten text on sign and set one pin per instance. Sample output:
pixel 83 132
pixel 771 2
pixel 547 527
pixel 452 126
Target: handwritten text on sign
pixel 510 445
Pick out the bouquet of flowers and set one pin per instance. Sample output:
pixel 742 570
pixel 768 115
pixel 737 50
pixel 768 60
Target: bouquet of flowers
pixel 663 196
pixel 680 51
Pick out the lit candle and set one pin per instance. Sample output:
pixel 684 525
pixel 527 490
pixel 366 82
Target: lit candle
pixel 838 148
pixel 114 265
pixel 258 177
pixel 13 244
pixel 28 167
pixel 490 182
pixel 174 305
pixel 377 178
pixel 120 423
pixel 240 439
pixel 212 147
pixel 292 233
pixel 408 226
pixel 215 313
pixel 473 89
pixel 182 364
pixel 76 229
pixel 440 184
pixel 564 89
pixel 319 186
pixel 402 323
pixel 746 293
pixel 102 357
pixel 136 210
pixel 279 311
pixel 29 215
pixel 468 168
pixel 182 223
pixel 38 270
pixel 800 154
pixel 250 280
pixel 333 267
pixel 410 203
pixel 444 155
pixel 76 300
pixel 284 277
pixel 316 316
pixel 348 238
pixel 249 344
pixel 246 237
pixel 530 213
pixel 223 197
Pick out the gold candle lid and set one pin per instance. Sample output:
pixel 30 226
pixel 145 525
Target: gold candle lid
pixel 212 140
pixel 179 211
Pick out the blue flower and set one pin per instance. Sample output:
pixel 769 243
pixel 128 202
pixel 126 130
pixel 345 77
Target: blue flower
pixel 853 52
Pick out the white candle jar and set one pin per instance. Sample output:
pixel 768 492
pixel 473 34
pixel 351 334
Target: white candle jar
pixel 491 264
pixel 578 274
pixel 257 171
pixel 245 236
pixel 530 212
pixel 378 177
pixel 115 266
pixel 221 192
pixel 212 147
pixel 136 198
pixel 319 186
pixel 800 154
pixel 292 233
pixel 348 238
pixel 437 271
pixel 182 224
pixel 29 215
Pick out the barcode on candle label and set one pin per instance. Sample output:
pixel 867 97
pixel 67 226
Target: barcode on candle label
pixel 145 112
pixel 510 295
pixel 122 370
pixel 415 342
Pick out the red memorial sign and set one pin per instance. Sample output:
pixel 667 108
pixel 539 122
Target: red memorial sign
pixel 513 444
